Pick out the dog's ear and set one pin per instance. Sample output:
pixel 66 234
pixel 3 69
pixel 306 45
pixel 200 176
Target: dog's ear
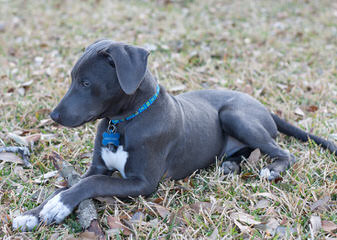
pixel 130 63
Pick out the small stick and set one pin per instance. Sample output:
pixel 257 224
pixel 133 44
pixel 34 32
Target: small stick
pixel 86 211
pixel 23 151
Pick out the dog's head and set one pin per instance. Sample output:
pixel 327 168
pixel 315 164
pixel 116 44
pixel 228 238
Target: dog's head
pixel 104 76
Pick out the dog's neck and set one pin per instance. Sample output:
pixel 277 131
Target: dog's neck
pixel 131 103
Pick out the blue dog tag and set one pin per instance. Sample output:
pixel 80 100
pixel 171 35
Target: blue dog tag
pixel 110 137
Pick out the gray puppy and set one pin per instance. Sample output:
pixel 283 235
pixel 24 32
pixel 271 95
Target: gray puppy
pixel 146 133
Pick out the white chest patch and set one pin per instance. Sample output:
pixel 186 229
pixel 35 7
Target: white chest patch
pixel 115 160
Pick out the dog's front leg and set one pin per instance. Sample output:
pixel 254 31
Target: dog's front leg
pixel 30 219
pixel 62 204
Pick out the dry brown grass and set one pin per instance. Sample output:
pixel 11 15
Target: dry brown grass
pixel 281 52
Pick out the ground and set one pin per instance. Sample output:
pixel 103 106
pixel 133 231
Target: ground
pixel 281 52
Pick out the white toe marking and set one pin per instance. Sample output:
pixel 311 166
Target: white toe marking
pixel 25 222
pixel 115 160
pixel 54 210
pixel 265 173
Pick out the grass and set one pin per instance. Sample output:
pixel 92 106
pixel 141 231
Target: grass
pixel 281 52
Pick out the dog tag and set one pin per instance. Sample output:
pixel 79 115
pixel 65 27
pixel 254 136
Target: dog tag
pixel 110 137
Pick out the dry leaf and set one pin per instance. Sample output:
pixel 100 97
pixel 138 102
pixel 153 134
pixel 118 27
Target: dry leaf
pixel 265 194
pixel 18 139
pixel 31 139
pixel 269 227
pixel 243 228
pixel 87 236
pixel 264 203
pixel 329 226
pixel 48 137
pixel 158 200
pixel 44 177
pixel 163 211
pixel 45 122
pixel 244 218
pixel 254 156
pixel 320 203
pixel 114 222
pixel 18 170
pixel 312 108
pixel 10 157
pixel 205 206
pixel 299 112
pixel 316 223
pixel 116 225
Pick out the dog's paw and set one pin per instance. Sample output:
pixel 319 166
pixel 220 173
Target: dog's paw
pixel 54 210
pixel 269 174
pixel 25 222
pixel 229 167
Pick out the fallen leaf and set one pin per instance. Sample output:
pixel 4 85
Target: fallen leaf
pixel 31 139
pixel 264 203
pixel 48 137
pixel 269 227
pixel 116 225
pixel 163 211
pixel 18 170
pixel 18 139
pixel 86 155
pixel 243 228
pixel 248 175
pixel 181 215
pixel 87 235
pixel 329 226
pixel 45 122
pixel 10 157
pixel 254 156
pixel 316 223
pixel 158 200
pixel 27 84
pixel 299 112
pixel 265 194
pixel 114 222
pixel 312 108
pixel 96 229
pixel 285 231
pixel 320 203
pixel 44 177
pixel 244 218
pixel 137 217
pixel 206 206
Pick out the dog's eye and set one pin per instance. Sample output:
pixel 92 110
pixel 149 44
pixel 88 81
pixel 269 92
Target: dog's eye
pixel 85 83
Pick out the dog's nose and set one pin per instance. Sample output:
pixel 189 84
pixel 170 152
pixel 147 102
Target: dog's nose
pixel 55 116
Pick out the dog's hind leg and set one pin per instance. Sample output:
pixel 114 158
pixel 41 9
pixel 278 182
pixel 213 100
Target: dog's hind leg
pixel 232 163
pixel 257 129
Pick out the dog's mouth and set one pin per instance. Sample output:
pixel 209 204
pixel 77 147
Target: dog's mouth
pixel 90 119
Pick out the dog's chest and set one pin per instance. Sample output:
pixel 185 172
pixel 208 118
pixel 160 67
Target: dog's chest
pixel 115 160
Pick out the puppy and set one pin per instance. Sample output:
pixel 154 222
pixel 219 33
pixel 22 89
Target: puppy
pixel 145 133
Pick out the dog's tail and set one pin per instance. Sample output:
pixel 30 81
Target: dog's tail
pixel 290 130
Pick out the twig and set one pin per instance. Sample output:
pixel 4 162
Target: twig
pixel 23 151
pixel 86 211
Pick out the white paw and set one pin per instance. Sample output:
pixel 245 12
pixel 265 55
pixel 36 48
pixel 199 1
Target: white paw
pixel 54 210
pixel 25 222
pixel 270 175
pixel 265 173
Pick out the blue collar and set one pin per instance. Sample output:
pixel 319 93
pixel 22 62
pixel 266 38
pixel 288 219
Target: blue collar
pixel 145 106
pixel 110 137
